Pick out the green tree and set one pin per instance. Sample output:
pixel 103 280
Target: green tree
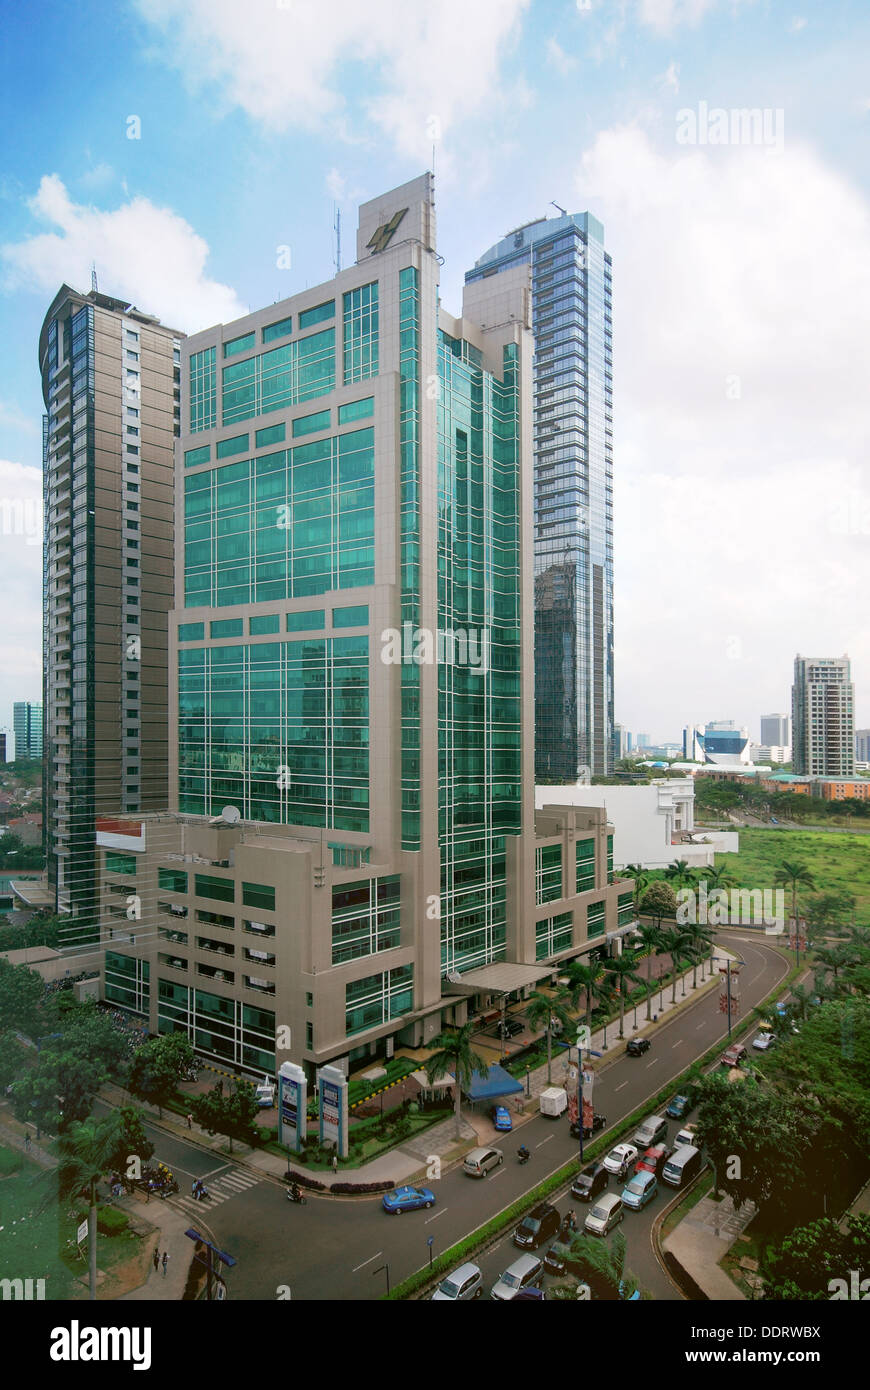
pixel 826 911
pixel 233 1114
pixel 12 1059
pixel 650 938
pixel 601 1264
pixel 718 877
pixel 549 1011
pixel 157 1068
pixel 58 1091
pixel 87 1031
pixel 623 973
pixel 658 901
pixel 757 1139
pixel 675 943
pixel 793 876
pixel 454 1053
pixel 583 976
pixel 641 879
pixel 681 874
pixel 22 995
pixel 699 947
pixel 133 1142
pixel 803 1266
pixel 86 1149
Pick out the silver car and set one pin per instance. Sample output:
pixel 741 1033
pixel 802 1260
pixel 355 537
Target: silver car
pixel 465 1282
pixel 520 1275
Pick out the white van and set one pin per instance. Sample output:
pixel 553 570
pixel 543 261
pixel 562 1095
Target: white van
pixel 682 1166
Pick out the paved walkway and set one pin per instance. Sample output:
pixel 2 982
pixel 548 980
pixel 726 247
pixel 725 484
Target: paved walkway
pixel 14 1136
pixel 700 1241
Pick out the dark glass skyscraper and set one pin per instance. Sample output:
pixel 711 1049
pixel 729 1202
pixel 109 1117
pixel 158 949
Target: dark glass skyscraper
pixel 573 437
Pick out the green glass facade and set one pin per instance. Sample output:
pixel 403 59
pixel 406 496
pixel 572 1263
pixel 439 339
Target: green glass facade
pixel 286 525
pixel 361 349
pixel 203 390
pixel 585 866
pixel 378 998
pixel 223 1028
pixel 365 918
pixel 248 711
pixel 548 873
pixel 479 706
pixel 553 934
pixel 278 379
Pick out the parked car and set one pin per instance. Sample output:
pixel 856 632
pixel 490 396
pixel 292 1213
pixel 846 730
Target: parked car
pixel 651 1131
pixel 589 1182
pixel 529 1295
pixel 686 1136
pixel 523 1272
pixel 407 1199
pixel 508 1028
pixel 620 1159
pixel 654 1160
pixel 639 1190
pixel 538 1225
pixel 607 1213
pixel 464 1283
pixel 733 1056
pixel 681 1105
pixel 764 1040
pixel 478 1163
pixel 501 1118
pixel 636 1047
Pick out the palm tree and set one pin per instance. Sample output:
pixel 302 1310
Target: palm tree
pixel 700 939
pixel 641 881
pixel 622 970
pixel 455 1054
pixel 605 994
pixel 720 877
pixel 651 938
pixel 86 1148
pixel 674 942
pixel 602 1265
pixel 837 958
pixel 583 976
pixel 794 876
pixel 800 1003
pixel 681 873
pixel 547 1010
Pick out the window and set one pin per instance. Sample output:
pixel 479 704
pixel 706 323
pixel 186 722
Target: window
pixel 258 895
pixel 210 886
pixel 259 627
pixel 282 329
pixel 585 866
pixel 194 456
pixel 272 434
pixel 351 617
pixel 175 880
pixel 227 627
pixel 312 621
pixel 191 632
pixel 131 356
pixel 548 873
pixel 237 345
pixel 120 863
pixel 227 447
pixel 309 317
pixel 356 410
pixel 311 424
pixel 203 390
pixel 361 333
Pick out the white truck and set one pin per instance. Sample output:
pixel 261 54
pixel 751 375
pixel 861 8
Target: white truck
pixel 553 1101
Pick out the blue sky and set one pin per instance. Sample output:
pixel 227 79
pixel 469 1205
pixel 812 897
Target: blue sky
pixel 741 281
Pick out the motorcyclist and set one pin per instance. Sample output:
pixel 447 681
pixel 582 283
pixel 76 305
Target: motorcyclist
pixel 523 1153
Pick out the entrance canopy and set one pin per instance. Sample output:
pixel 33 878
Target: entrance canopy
pixel 502 977
pixel 496 1083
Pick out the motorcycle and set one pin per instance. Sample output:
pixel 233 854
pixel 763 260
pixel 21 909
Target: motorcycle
pixel 523 1155
pixel 294 1195
pixel 598 1122
pixel 199 1191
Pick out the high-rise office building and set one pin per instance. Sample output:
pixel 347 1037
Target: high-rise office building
pixel 822 714
pixel 111 386
pixel 862 745
pixel 2 748
pixel 353 850
pixel 27 724
pixel 775 730
pixel 573 450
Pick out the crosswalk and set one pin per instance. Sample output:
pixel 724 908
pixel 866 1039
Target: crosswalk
pixel 221 1188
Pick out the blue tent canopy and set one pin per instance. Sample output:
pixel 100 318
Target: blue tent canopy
pixel 498 1082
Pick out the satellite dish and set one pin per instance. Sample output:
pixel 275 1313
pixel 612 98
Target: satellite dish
pixel 231 814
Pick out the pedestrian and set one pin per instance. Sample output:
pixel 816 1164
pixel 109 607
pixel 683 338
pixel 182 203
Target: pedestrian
pixel 335 1163
pixel 165 1262
pixel 190 1121
pixel 27 1143
pixel 156 1259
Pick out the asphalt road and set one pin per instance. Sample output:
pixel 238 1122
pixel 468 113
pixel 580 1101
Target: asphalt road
pixel 337 1248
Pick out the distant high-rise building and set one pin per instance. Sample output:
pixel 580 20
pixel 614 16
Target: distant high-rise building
pixel 862 745
pixel 775 730
pixel 822 705
pixel 643 741
pixel 573 501
pixel 2 748
pixel 720 741
pixel 27 723
pixel 111 386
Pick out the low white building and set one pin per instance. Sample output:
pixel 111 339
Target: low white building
pixel 652 825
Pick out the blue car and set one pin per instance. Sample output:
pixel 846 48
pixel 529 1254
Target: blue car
pixel 640 1190
pixel 679 1106
pixel 501 1118
pixel 407 1199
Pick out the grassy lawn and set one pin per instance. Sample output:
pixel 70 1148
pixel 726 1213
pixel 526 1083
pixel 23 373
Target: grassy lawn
pixel 673 1218
pixel 838 861
pixel 30 1225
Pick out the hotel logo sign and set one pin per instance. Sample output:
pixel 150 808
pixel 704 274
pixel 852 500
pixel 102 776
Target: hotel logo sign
pixel 384 235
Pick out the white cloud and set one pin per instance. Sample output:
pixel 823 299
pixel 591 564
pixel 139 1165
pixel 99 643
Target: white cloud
pixel 667 15
pixel 288 64
pixel 671 78
pixel 558 58
pixel 797 24
pixel 742 493
pixel 98 176
pixel 141 251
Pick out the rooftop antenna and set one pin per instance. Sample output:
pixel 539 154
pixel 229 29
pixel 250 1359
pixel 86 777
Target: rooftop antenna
pixel 337 226
pixel 564 211
pixel 93 277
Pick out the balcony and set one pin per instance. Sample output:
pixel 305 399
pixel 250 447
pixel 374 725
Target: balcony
pixel 260 957
pixel 179 938
pixel 174 962
pixel 259 929
pixel 259 986
pixel 210 973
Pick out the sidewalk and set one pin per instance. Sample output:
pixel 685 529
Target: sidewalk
pixel 13 1136
pixel 702 1238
